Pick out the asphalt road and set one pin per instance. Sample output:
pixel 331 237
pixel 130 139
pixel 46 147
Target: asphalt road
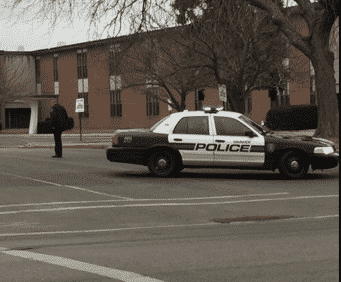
pixel 82 218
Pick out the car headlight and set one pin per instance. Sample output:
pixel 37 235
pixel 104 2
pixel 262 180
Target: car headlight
pixel 323 150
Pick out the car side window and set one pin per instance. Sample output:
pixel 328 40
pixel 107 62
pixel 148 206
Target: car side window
pixel 198 125
pixel 229 127
pixel 192 125
pixel 181 127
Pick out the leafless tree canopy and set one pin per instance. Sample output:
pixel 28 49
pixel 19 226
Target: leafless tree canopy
pixel 142 15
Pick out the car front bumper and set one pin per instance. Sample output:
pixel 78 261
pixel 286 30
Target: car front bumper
pixel 324 161
pixel 126 155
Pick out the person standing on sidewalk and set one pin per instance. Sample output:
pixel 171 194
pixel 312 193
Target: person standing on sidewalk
pixel 60 120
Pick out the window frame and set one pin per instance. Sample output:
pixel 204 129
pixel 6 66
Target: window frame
pixel 38 70
pixel 116 103
pixel 152 103
pixel 55 68
pixel 114 59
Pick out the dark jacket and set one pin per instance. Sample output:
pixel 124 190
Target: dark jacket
pixel 59 117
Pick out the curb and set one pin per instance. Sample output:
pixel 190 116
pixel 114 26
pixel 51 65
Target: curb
pixel 71 146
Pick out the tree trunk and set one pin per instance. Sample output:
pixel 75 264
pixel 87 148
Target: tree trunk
pixel 328 111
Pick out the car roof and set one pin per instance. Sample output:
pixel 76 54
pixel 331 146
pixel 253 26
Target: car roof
pixel 200 113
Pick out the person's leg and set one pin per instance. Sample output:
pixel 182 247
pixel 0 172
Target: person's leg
pixel 58 143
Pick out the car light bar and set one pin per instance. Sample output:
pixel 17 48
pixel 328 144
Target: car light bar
pixel 212 109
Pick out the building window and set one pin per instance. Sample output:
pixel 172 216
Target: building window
pixel 86 104
pixel 82 64
pixel 38 78
pixel 152 101
pixel 151 55
pixel 55 67
pixel 82 73
pixel 285 95
pixel 55 74
pixel 115 103
pixel 227 106
pixel 313 97
pixel 115 96
pixel 282 96
pixel 114 59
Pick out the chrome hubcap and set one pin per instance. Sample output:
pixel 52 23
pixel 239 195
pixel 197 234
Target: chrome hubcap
pixel 162 163
pixel 294 165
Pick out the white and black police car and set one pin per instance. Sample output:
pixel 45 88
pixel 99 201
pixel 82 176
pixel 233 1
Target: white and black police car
pixel 219 139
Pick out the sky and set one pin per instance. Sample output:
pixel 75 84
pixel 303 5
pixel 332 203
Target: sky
pixel 35 35
pixel 23 32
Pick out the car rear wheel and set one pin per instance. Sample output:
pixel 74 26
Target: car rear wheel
pixel 293 165
pixel 162 163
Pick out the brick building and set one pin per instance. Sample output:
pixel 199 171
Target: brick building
pixel 93 71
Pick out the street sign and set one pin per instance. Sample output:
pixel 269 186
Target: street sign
pixel 222 92
pixel 169 106
pixel 80 105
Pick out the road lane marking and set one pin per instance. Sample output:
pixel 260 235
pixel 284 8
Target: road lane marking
pixel 164 204
pixel 138 200
pixel 62 185
pixel 154 226
pixel 124 276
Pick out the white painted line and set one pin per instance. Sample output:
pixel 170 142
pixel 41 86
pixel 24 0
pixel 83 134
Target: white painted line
pixel 62 185
pixel 101 230
pixel 125 276
pixel 138 200
pixel 165 204
pixel 151 227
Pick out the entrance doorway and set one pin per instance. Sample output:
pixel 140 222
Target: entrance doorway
pixel 17 118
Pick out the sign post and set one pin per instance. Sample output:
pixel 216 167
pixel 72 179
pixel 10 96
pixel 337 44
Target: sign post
pixel 222 93
pixel 169 106
pixel 80 110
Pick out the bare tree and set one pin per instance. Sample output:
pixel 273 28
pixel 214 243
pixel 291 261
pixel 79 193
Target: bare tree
pixel 163 64
pixel 11 85
pixel 238 45
pixel 142 15
pixel 319 18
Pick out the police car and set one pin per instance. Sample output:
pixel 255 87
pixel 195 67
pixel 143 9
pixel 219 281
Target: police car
pixel 213 138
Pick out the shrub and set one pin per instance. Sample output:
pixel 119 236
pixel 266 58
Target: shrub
pixel 296 117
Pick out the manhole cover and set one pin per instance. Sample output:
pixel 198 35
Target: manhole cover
pixel 252 218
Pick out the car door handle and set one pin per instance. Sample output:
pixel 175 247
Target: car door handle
pixel 177 139
pixel 220 141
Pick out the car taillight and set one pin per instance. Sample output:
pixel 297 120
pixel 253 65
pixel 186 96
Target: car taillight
pixel 115 140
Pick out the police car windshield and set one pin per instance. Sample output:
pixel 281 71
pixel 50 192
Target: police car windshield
pixel 254 124
pixel 158 123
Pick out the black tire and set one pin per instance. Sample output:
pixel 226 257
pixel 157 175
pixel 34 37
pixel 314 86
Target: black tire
pixel 162 163
pixel 293 165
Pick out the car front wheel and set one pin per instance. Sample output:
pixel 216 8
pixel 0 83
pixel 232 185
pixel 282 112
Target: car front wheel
pixel 293 165
pixel 161 164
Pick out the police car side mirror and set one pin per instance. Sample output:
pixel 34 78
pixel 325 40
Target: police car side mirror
pixel 249 134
